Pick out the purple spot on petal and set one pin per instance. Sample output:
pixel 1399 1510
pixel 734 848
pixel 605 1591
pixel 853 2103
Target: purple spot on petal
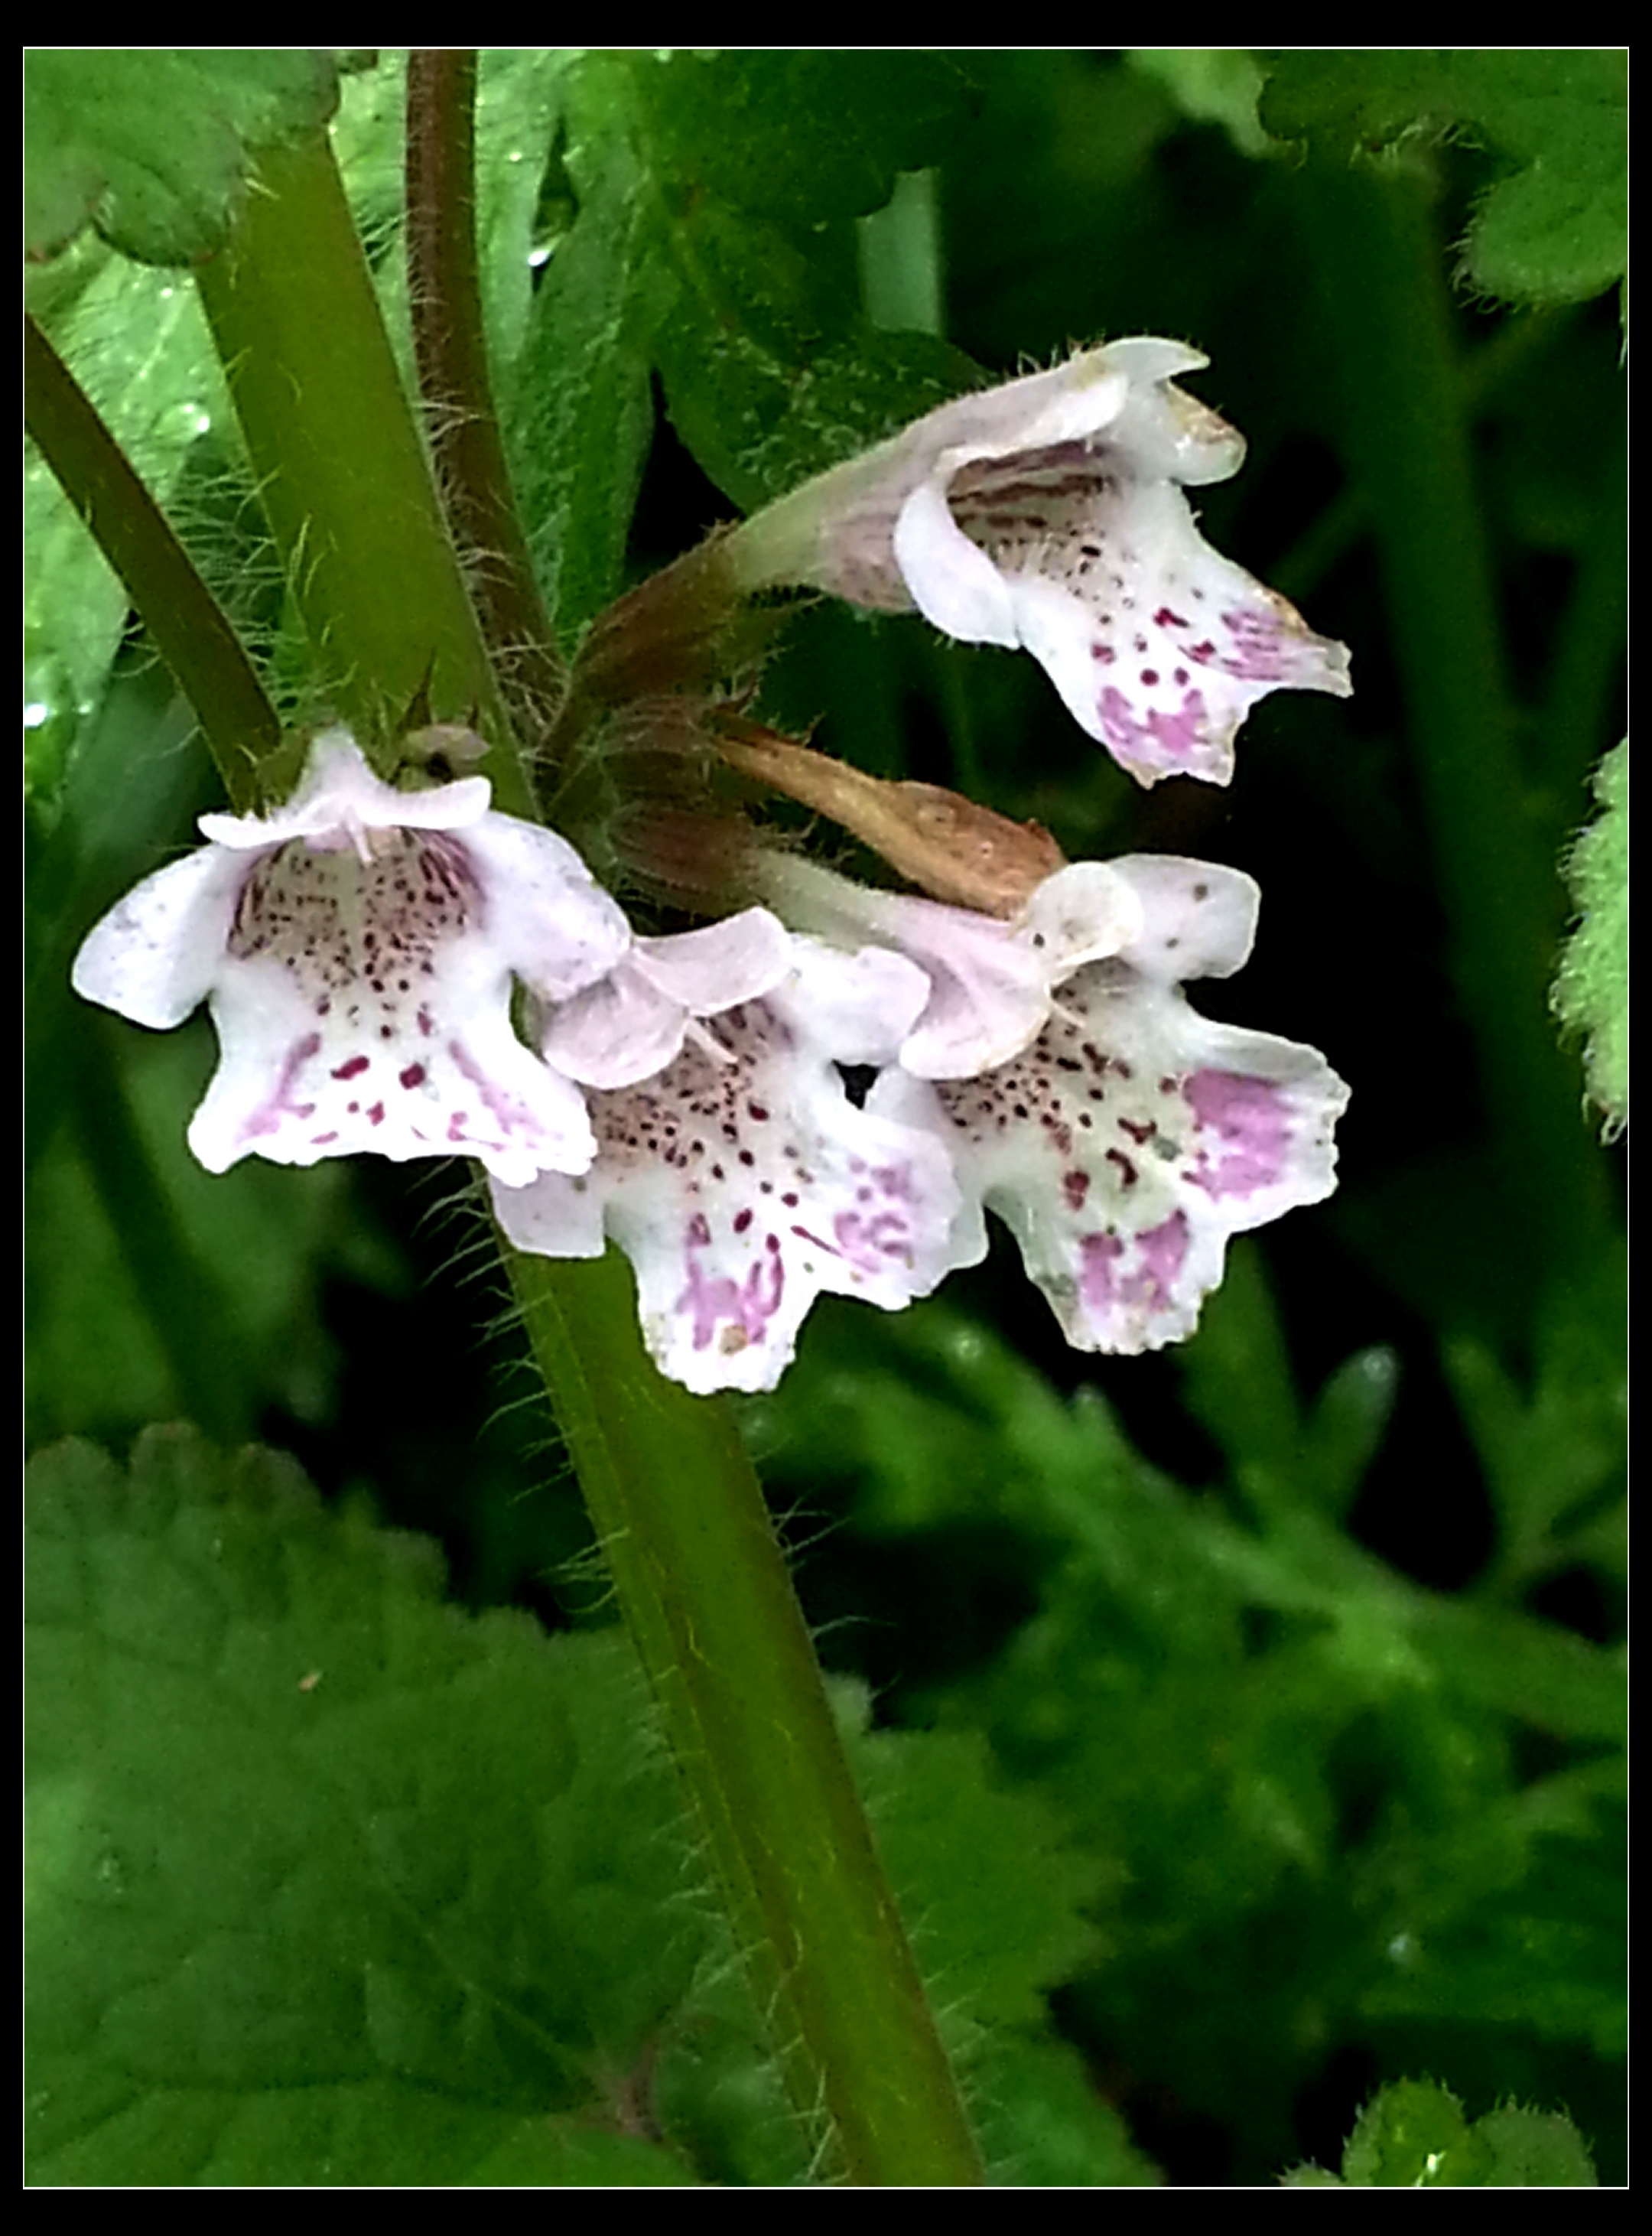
pixel 353 1069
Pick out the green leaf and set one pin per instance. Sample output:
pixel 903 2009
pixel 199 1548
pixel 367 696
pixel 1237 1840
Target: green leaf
pixel 761 419
pixel 142 352
pixel 314 1893
pixel 1591 992
pixel 716 195
pixel 800 134
pixel 332 1883
pixel 155 146
pixel 1044 2123
pixel 1535 2150
pixel 1413 2135
pixel 577 446
pixel 1555 228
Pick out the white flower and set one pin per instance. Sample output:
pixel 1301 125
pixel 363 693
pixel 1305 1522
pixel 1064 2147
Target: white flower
pixel 357 949
pixel 1048 513
pixel 1131 1136
pixel 740 1179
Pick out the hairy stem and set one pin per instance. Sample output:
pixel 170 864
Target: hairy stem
pixel 705 1593
pixel 190 629
pixel 450 344
pixel 343 479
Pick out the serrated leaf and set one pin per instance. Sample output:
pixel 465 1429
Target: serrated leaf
pixel 1535 2150
pixel 1591 990
pixel 308 1899
pixel 968 1850
pixel 1412 2135
pixel 1555 230
pixel 155 146
pixel 330 1883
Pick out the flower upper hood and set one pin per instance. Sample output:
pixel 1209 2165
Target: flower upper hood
pixel 1048 513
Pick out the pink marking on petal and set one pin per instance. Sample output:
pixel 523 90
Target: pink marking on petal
pixel 1252 1120
pixel 1162 737
pixel 1161 1253
pixel 353 1069
pixel 506 1111
pixel 744 1307
pixel 268 1116
pixel 412 1076
pixel 865 1243
pixel 376 1114
pixel 1165 1250
pixel 1257 655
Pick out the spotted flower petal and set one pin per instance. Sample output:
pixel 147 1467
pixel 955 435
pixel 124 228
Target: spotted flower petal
pixel 1133 1137
pixel 1049 513
pixel 741 1182
pixel 357 948
pixel 991 979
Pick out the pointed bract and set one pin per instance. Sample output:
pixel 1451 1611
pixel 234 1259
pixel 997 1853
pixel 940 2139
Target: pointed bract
pixel 357 948
pixel 1049 513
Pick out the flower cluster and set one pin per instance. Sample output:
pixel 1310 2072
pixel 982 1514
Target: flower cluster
pixel 368 953
pixel 686 1096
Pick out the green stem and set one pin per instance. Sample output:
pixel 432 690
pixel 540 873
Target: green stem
pixel 190 629
pixel 700 1577
pixel 704 1585
pixel 451 346
pixel 343 481
pixel 1381 275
